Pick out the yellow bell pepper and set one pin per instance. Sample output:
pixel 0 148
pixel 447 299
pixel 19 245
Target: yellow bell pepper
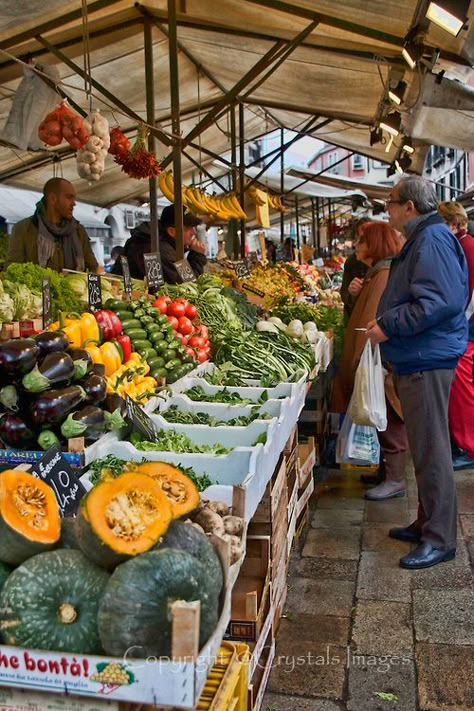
pixel 94 352
pixel 89 328
pixel 73 332
pixel 110 357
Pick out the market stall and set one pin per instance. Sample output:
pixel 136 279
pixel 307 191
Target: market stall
pixel 158 441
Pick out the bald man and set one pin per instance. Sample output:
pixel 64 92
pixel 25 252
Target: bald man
pixel 52 237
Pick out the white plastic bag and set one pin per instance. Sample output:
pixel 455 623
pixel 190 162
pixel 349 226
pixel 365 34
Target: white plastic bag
pixel 367 405
pixel 357 444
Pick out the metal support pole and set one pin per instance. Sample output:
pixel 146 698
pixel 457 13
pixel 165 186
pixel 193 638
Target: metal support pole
pixel 174 90
pixel 297 219
pixel 282 182
pixel 313 223
pixel 233 141
pixel 150 119
pixel 329 226
pixel 242 175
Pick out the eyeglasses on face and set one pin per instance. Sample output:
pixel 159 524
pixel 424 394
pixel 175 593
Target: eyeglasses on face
pixel 395 202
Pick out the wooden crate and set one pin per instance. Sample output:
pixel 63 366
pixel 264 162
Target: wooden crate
pixel 306 460
pixel 275 495
pixel 251 595
pixel 261 674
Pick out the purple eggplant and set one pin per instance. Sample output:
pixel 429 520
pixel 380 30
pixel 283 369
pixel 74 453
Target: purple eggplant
pixel 53 406
pixel 82 362
pixel 98 369
pixel 51 342
pixel 53 369
pixel 89 422
pixel 15 432
pixel 95 387
pixel 17 357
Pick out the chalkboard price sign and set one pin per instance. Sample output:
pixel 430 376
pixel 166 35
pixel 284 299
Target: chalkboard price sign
pixel 184 270
pixel 241 270
pixel 55 471
pixel 139 420
pixel 153 271
pixel 127 280
pixel 47 318
pixel 94 291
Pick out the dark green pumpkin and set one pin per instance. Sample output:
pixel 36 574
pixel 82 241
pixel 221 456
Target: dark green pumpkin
pixel 51 602
pixel 182 536
pixel 69 533
pixel 134 610
pixel 5 571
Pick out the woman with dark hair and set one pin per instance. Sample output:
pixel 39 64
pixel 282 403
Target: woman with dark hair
pixel 353 275
pixel 377 245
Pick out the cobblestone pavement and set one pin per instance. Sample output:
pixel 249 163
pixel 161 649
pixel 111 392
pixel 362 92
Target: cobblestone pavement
pixel 361 633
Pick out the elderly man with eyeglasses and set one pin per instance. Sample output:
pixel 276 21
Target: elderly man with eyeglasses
pixel 422 327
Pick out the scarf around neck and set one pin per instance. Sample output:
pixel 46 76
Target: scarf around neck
pixel 50 234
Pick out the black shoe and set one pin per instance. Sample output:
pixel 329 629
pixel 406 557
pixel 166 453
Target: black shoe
pixel 462 461
pixel 410 533
pixel 424 556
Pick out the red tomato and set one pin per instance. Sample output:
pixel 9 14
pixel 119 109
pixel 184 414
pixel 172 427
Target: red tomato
pixel 182 300
pixel 204 331
pixel 191 311
pixel 185 326
pixel 197 342
pixel 202 356
pixel 174 321
pixel 185 340
pixel 189 351
pixel 176 308
pixel 162 303
pixel 179 335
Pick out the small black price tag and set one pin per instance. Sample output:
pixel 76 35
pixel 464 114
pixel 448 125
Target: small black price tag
pixel 153 271
pixel 253 290
pixel 184 270
pixel 94 291
pixel 241 270
pixel 127 279
pixel 140 420
pixel 55 471
pixel 47 318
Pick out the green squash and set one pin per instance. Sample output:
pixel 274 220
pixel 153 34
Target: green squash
pixel 51 602
pixel 69 533
pixel 185 537
pixel 5 571
pixel 134 609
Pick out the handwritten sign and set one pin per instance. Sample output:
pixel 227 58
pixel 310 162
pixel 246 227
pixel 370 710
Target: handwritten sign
pixel 153 271
pixel 139 420
pixel 127 279
pixel 253 290
pixel 94 291
pixel 184 270
pixel 47 318
pixel 55 471
pixel 241 270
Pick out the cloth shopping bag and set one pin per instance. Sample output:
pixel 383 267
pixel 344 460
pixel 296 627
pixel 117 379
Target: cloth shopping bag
pixel 368 406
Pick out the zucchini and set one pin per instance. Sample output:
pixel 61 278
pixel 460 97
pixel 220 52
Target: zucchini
pixel 115 304
pixel 159 373
pixel 157 337
pixel 153 327
pixel 160 346
pixel 124 315
pixel 172 364
pixel 137 334
pixel 170 353
pixel 147 353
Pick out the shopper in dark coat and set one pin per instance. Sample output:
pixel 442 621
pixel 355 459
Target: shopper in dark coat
pixel 421 324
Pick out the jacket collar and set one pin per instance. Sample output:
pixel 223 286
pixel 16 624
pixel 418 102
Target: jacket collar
pixel 412 227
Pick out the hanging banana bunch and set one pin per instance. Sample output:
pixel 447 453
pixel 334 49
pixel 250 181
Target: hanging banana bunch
pixel 273 201
pixel 218 207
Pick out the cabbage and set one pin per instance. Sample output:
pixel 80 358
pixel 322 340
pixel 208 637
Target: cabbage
pixel 78 283
pixel 7 308
pixel 26 304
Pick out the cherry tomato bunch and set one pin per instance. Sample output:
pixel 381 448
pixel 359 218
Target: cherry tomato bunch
pixel 184 318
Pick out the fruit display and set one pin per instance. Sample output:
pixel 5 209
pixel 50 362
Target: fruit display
pixel 223 207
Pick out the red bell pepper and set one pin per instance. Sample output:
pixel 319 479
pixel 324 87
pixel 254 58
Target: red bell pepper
pixel 109 323
pixel 126 345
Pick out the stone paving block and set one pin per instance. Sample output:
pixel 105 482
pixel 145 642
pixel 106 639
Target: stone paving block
pixel 320 597
pixel 282 702
pixel 375 538
pixel 467 526
pixel 328 518
pixel 455 574
pixel 341 502
pixel 315 670
pixel 383 628
pixel 381 578
pixel 465 492
pixel 445 677
pixel 332 543
pixel 392 511
pixel 444 616
pixel 373 675
pixel 324 568
pixel 317 629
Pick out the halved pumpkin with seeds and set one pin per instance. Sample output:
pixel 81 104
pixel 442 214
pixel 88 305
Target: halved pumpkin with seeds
pixel 29 517
pixel 122 517
pixel 176 484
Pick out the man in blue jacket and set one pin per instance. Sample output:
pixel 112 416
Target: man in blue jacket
pixel 422 327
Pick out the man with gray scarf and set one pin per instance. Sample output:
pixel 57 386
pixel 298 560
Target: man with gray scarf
pixel 52 237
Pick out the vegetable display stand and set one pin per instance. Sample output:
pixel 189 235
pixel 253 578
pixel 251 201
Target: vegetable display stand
pixel 176 681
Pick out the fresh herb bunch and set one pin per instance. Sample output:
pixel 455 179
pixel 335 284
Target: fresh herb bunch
pixel 198 394
pixel 175 415
pixel 171 441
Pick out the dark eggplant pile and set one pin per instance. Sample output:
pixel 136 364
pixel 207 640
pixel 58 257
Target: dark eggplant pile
pixel 50 392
